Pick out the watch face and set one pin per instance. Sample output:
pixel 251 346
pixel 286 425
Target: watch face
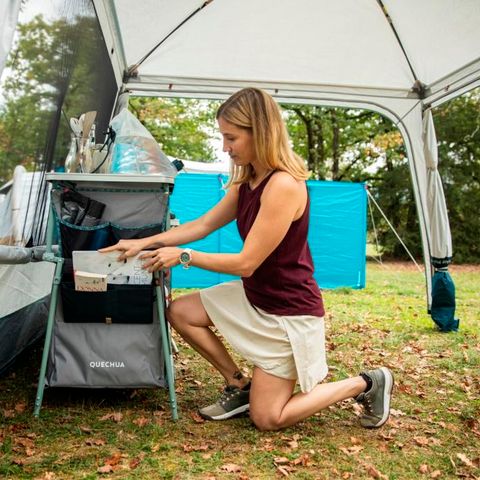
pixel 185 257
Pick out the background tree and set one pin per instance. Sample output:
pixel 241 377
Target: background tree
pixel 53 67
pixel 458 134
pixel 183 127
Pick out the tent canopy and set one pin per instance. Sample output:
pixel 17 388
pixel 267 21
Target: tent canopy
pixel 307 48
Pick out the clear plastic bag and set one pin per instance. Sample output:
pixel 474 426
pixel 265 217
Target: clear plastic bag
pixel 135 150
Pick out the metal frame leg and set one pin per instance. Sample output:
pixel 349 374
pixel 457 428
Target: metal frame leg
pixel 166 344
pixel 48 335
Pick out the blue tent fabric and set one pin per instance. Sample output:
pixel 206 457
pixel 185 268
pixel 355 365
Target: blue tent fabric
pixel 442 309
pixel 337 234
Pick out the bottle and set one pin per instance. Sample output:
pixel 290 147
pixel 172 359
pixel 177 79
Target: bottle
pixel 70 159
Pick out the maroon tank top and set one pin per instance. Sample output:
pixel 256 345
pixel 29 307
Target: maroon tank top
pixel 283 284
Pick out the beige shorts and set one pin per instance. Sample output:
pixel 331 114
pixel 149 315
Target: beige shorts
pixel 291 347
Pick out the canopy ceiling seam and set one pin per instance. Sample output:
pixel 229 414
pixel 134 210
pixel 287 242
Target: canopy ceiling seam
pixel 418 86
pixel 117 32
pixel 133 69
pixel 447 91
pixel 150 85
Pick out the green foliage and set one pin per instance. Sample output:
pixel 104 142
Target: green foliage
pixel 337 143
pixel 53 66
pixel 458 133
pixel 353 145
pixel 183 127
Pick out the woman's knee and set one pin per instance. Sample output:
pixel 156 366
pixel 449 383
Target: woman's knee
pixel 265 421
pixel 176 313
pixel 187 311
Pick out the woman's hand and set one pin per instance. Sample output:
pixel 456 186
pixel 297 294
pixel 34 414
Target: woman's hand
pixel 161 258
pixel 128 248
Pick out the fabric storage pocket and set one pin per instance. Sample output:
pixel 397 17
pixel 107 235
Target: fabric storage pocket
pixel 119 232
pixel 74 237
pixel 130 303
pixel 106 356
pixel 83 307
pixel 119 304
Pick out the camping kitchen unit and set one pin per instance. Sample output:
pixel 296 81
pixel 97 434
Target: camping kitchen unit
pixel 115 336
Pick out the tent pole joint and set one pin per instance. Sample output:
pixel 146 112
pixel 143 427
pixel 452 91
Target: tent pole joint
pixel 420 89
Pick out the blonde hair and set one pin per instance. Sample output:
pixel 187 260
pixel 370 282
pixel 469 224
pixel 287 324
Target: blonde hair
pixel 257 111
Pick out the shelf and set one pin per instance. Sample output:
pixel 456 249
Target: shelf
pixel 112 180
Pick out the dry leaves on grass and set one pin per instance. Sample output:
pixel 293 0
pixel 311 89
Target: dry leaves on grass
pixel 353 450
pixel 374 473
pixel 116 417
pixel 118 461
pixel 46 476
pixel 196 417
pixel 465 460
pixel 111 463
pixel 286 466
pixel 95 442
pixel 195 448
pixel 141 421
pixel 292 442
pixel 231 468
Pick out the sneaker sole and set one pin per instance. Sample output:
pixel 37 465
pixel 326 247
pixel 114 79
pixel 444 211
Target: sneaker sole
pixel 387 396
pixel 226 415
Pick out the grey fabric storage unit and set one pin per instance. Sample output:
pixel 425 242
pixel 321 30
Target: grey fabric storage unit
pixel 118 338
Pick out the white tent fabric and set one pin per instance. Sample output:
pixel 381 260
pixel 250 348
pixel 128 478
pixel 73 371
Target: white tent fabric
pixel 8 21
pixel 440 241
pixel 18 207
pixel 398 58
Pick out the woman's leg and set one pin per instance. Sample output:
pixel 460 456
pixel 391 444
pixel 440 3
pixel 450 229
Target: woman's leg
pixel 188 317
pixel 273 405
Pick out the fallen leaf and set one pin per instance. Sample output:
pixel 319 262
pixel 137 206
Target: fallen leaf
pixel 464 459
pixel 436 474
pixel 423 468
pixel 117 417
pixel 114 459
pixel 352 450
pixel 105 469
pixel 421 441
pixel 46 476
pixel 95 442
pixel 283 471
pixel 373 472
pixel 85 429
pixel 20 407
pixel 302 460
pixel 196 417
pixel 134 463
pixel 281 460
pixel 194 448
pixel 231 468
pixel 141 421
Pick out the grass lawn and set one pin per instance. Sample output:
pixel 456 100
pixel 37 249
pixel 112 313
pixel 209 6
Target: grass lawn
pixel 434 430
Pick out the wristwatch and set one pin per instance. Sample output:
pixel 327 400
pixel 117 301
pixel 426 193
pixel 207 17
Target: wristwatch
pixel 186 257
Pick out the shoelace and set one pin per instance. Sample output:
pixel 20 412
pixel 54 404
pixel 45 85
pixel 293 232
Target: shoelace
pixel 367 404
pixel 228 394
